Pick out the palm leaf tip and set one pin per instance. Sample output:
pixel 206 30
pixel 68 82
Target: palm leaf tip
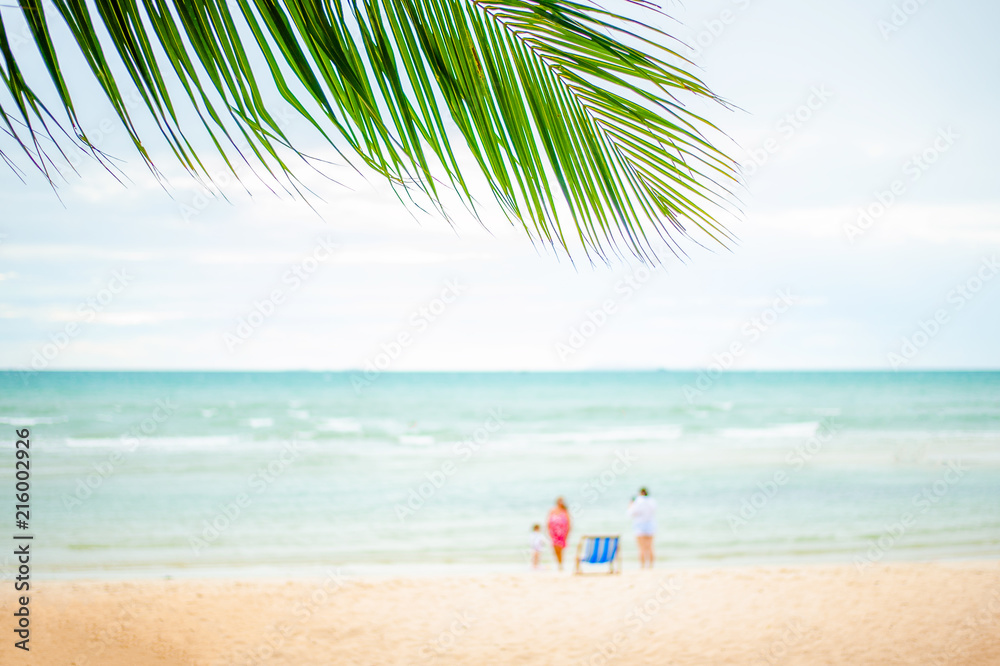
pixel 576 117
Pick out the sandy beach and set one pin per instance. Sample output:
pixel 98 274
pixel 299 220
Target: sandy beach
pixel 927 613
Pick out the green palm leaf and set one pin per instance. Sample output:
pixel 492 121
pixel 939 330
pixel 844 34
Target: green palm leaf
pixel 574 115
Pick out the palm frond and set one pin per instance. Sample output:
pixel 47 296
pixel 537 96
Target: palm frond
pixel 576 116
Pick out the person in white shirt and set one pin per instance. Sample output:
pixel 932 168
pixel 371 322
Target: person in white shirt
pixel 537 545
pixel 642 511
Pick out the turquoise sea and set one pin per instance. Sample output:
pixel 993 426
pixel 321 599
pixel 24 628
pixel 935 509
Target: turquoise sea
pixel 189 473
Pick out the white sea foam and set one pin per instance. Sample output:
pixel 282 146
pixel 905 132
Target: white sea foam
pixel 260 422
pixel 416 440
pixel 31 420
pixel 769 432
pixel 976 458
pixel 635 434
pixel 206 442
pixel 341 424
pixel 298 413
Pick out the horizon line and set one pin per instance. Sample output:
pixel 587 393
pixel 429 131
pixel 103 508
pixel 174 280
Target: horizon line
pixel 494 371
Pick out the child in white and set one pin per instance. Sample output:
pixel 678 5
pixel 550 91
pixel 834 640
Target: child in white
pixel 537 545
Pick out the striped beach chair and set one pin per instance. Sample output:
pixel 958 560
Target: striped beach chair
pixel 599 549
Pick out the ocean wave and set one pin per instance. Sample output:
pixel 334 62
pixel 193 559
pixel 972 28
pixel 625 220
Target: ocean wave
pixel 31 420
pixel 950 434
pixel 977 458
pixel 298 413
pixel 416 440
pixel 151 442
pixel 260 422
pixel 340 424
pixel 784 430
pixel 636 434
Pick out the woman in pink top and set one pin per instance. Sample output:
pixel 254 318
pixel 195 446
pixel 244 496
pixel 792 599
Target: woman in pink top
pixel 559 526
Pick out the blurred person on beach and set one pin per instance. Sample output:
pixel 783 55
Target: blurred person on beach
pixel 537 545
pixel 642 511
pixel 559 526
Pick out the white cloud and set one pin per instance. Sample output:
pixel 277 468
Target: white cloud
pixel 54 252
pixel 250 257
pixel 403 255
pixel 138 317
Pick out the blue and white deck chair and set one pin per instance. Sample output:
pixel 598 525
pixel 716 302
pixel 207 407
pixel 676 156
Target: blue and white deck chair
pixel 599 549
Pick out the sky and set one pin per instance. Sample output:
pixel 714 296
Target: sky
pixel 868 238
